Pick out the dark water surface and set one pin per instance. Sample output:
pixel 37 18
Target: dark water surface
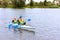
pixel 46 21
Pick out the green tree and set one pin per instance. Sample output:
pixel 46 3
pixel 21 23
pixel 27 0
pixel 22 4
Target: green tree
pixel 45 2
pixel 5 3
pixel 31 3
pixel 14 2
pixel 41 3
pixel 21 3
pixel 36 4
pixel 18 3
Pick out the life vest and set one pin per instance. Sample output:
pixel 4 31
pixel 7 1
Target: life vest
pixel 21 21
pixel 15 21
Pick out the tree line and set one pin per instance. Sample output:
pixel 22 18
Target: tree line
pixel 21 4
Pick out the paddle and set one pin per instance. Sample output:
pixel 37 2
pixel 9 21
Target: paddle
pixel 29 20
pixel 9 25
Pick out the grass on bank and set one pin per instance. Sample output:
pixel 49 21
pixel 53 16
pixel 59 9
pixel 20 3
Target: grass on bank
pixel 11 6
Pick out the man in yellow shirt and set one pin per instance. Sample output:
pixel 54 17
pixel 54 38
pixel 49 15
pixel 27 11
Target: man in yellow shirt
pixel 21 21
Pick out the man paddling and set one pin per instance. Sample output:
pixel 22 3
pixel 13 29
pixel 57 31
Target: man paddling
pixel 14 21
pixel 21 21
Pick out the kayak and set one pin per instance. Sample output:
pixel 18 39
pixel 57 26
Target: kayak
pixel 24 27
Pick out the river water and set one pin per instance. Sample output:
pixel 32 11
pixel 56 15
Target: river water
pixel 46 21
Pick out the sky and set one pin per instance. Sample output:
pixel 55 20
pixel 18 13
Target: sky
pixel 38 0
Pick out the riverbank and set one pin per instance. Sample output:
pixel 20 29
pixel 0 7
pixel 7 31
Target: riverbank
pixel 31 7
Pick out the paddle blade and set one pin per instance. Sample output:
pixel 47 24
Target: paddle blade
pixel 29 19
pixel 9 26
